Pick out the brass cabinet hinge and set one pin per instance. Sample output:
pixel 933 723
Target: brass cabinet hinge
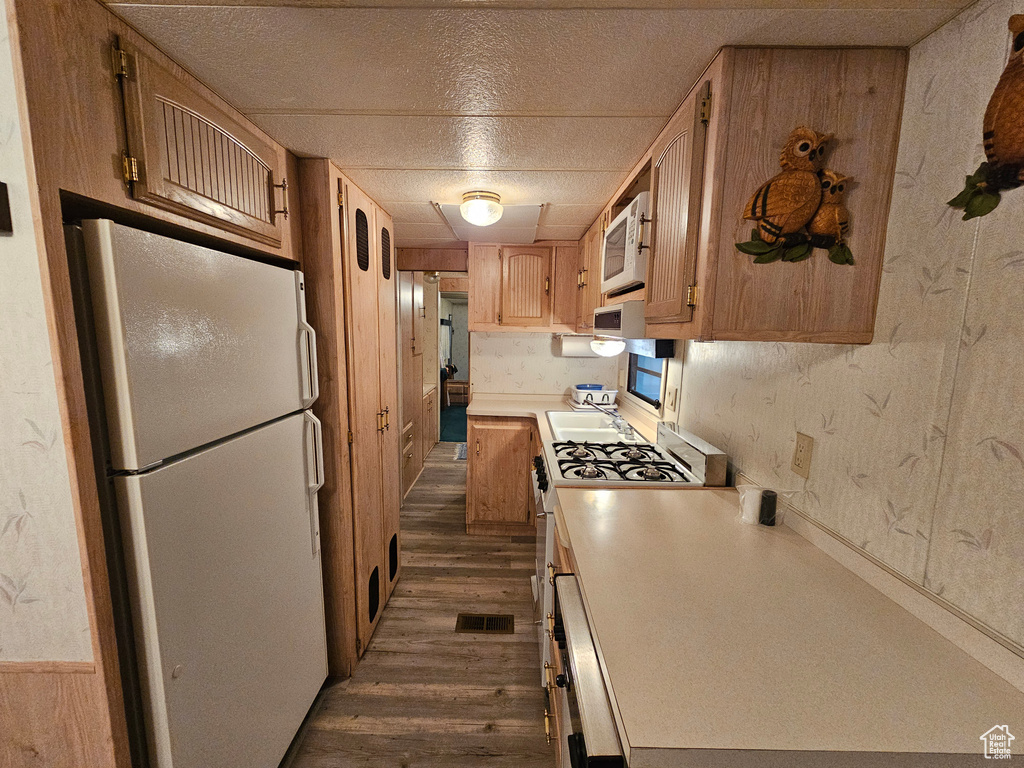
pixel 341 200
pixel 499 318
pixel 359 645
pixel 131 169
pixel 705 109
pixel 119 59
pixel 351 437
pixel 691 296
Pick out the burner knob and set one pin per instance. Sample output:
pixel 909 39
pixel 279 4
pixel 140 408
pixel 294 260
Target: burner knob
pixel 561 681
pixel 538 461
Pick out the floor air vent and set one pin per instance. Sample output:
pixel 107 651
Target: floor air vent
pixel 486 623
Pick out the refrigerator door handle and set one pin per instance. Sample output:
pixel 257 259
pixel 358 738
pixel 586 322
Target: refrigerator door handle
pixel 307 359
pixel 307 346
pixel 314 474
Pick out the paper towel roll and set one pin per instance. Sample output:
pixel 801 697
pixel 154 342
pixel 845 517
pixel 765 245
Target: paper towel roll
pixel 575 346
pixel 750 504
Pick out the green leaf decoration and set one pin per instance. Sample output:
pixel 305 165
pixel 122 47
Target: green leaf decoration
pixel 797 252
pixel 754 247
pixel 981 204
pixel 755 234
pixel 840 254
pixel 769 256
pixel 961 200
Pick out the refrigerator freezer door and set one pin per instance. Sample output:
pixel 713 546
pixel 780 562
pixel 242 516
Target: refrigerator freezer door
pixel 194 344
pixel 227 597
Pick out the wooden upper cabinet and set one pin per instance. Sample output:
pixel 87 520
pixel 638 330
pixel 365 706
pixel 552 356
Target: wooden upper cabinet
pixel 676 176
pixel 193 158
pixel 758 96
pixel 525 286
pixel 484 287
pixel 588 288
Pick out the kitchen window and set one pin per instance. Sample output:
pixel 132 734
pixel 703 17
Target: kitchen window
pixel 646 375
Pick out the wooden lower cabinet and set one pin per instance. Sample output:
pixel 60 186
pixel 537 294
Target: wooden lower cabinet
pixel 429 423
pixel 499 493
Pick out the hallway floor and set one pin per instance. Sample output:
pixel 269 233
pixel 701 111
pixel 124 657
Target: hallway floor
pixel 453 424
pixel 424 695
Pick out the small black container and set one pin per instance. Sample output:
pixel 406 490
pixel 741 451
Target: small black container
pixel 768 501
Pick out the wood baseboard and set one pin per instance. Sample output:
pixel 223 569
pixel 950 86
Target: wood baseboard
pixel 500 529
pixel 48 667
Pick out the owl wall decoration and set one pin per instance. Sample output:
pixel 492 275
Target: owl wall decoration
pixel 800 208
pixel 1002 136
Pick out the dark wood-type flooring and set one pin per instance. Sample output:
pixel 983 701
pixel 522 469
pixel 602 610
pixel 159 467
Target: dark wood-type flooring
pixel 423 695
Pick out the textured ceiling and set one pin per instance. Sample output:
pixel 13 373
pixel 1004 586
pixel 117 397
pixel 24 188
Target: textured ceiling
pixel 539 102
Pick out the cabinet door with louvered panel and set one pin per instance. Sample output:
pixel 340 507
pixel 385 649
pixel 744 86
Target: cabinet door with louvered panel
pixel 676 182
pixel 525 286
pixel 193 158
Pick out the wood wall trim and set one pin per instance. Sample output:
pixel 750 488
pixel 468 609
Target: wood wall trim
pixel 454 285
pixel 432 259
pixel 47 667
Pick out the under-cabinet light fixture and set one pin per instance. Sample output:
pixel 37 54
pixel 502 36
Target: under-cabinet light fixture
pixel 481 208
pixel 432 277
pixel 607 347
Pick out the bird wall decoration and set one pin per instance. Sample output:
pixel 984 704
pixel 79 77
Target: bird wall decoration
pixel 1002 136
pixel 831 223
pixel 802 194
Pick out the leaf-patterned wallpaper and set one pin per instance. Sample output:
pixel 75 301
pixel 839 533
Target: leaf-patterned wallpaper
pixel 919 436
pixel 43 614
pixel 525 363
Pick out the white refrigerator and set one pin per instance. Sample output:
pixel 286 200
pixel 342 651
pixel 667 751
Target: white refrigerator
pixel 207 368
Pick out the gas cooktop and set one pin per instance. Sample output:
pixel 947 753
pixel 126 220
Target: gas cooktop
pixel 619 462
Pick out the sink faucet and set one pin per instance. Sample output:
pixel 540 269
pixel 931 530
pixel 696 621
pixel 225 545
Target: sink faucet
pixel 621 426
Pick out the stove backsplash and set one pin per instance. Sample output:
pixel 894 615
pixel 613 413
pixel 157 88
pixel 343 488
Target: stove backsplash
pixel 526 364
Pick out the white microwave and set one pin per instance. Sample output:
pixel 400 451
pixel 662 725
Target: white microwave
pixel 625 320
pixel 624 256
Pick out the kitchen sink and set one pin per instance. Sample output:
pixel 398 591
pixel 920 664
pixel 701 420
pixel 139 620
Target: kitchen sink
pixel 586 426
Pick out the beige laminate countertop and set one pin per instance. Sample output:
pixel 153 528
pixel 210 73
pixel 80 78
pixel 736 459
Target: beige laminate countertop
pixel 733 645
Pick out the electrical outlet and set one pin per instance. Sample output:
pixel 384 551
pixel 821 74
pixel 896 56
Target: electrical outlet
pixel 622 378
pixel 802 455
pixel 670 398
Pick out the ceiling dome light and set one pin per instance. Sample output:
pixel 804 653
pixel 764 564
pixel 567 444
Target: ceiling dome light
pixel 481 208
pixel 607 347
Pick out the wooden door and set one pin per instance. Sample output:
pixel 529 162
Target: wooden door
pixel 565 268
pixel 188 156
pixel 525 286
pixel 484 287
pixel 676 180
pixel 419 310
pixel 412 382
pixel 589 288
pixel 322 232
pixel 391 471
pixel 498 477
pixel 361 264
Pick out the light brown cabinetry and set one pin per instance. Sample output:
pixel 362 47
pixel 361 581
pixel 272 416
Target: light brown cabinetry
pixel 676 176
pixel 191 157
pixel 349 264
pixel 523 287
pixel 429 429
pixel 410 301
pixel 699 286
pixel 588 278
pixel 499 494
